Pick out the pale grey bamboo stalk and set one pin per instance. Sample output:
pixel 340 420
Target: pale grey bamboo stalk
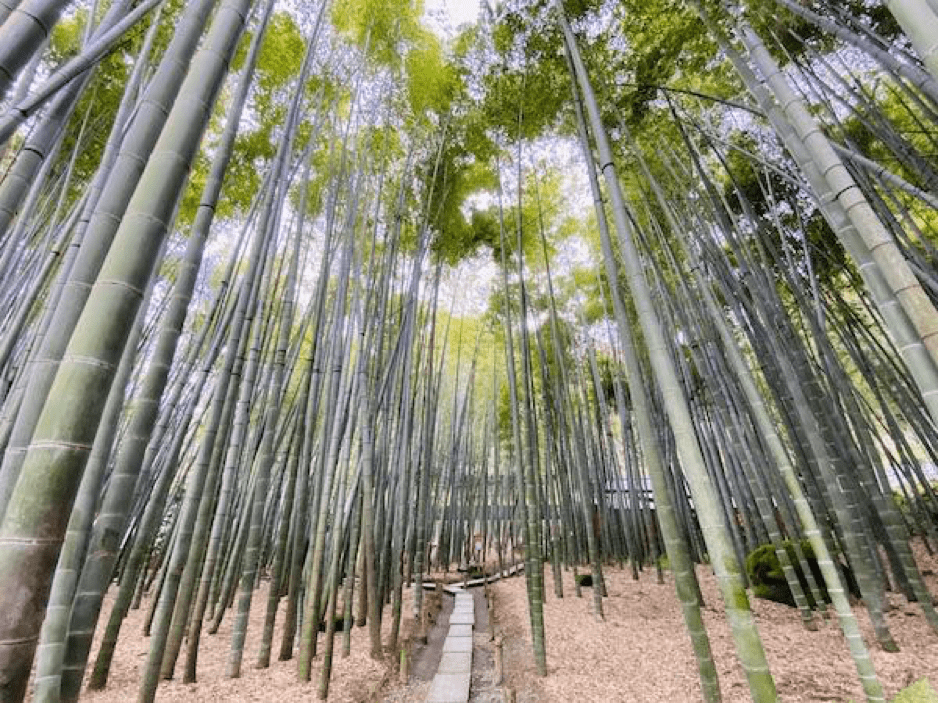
pixel 215 514
pixel 531 464
pixel 265 457
pixel 367 422
pixel 313 396
pixel 90 55
pixel 920 78
pixel 282 562
pixel 6 8
pixel 26 180
pixel 33 526
pixel 113 517
pixel 15 427
pixel 886 175
pixel 912 349
pixel 919 21
pixel 344 495
pixel 22 33
pixel 226 30
pixel 423 503
pixel 280 566
pixel 893 265
pixel 230 453
pixel 748 643
pixel 33 158
pixel 330 443
pixel 17 324
pixel 779 455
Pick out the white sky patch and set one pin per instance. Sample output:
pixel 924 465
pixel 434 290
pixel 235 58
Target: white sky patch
pixel 445 16
pixel 466 288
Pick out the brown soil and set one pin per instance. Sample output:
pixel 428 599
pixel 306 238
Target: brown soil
pixel 641 653
pixel 355 679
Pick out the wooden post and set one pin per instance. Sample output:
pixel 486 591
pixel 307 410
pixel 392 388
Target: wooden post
pixel 424 624
pixel 404 672
pixel 491 613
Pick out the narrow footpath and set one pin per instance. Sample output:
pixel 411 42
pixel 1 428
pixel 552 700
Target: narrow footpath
pixel 453 675
pixel 483 687
pixel 457 663
pixel 468 648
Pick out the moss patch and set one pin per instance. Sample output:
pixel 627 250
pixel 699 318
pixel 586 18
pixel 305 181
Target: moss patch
pixel 768 578
pixel 919 692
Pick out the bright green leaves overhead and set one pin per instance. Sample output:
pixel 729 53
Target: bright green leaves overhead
pixel 527 102
pixel 102 97
pixel 587 284
pixel 431 80
pixel 666 49
pixel 65 41
pixel 381 26
pixel 456 236
pixel 391 34
pixel 279 62
pixel 462 238
pixel 278 65
pixel 281 55
pixel 527 85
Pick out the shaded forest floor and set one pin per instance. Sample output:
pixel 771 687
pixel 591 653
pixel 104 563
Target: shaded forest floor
pixel 355 678
pixel 641 653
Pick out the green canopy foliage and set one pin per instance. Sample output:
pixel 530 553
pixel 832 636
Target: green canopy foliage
pixel 382 27
pixel 432 81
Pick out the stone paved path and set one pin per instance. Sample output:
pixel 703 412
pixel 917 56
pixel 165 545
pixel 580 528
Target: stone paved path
pixel 462 628
pixel 451 683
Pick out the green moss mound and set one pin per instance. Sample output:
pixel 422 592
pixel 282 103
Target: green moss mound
pixel 768 579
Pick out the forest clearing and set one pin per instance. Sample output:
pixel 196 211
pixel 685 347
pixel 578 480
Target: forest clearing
pixel 322 313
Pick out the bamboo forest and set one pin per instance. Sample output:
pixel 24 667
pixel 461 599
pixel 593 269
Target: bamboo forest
pixel 469 350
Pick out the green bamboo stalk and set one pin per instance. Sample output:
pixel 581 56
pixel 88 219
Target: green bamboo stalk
pixel 748 644
pixel 87 252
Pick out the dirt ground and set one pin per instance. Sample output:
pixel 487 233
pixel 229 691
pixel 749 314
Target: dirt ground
pixel 355 678
pixel 641 653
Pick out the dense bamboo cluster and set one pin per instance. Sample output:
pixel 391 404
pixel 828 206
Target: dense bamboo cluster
pixel 232 354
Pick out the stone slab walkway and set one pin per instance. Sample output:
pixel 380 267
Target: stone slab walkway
pixel 452 680
pixel 451 683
